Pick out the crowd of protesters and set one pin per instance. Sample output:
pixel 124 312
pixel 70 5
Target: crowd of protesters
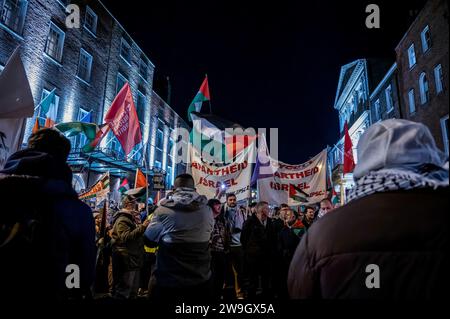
pixel 189 246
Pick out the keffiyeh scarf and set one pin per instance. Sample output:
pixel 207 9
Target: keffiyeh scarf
pixel 385 180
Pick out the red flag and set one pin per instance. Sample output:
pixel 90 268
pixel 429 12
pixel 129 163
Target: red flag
pixel 140 180
pixel 123 119
pixel 349 163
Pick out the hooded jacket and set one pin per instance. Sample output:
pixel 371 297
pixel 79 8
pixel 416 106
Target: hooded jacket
pixel 182 227
pixel 391 240
pixel 36 188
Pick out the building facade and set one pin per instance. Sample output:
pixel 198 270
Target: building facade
pixel 353 101
pixel 422 59
pixel 385 98
pixel 86 66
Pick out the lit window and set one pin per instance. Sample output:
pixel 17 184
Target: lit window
pixel 125 50
pixel 411 56
pixel 90 20
pixel 445 136
pixel 159 139
pixel 377 110
pixel 121 80
pixel 143 69
pixel 12 14
pixel 140 107
pixel 425 36
pixel 85 66
pixel 424 90
pixel 412 103
pixel 439 78
pixel 55 42
pixel 389 100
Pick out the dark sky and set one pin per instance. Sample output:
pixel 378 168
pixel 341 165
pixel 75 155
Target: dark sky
pixel 273 64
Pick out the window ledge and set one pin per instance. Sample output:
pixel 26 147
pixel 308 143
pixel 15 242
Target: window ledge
pixel 62 5
pixel 143 78
pixel 10 31
pixel 52 59
pixel 89 31
pixel 125 60
pixel 84 81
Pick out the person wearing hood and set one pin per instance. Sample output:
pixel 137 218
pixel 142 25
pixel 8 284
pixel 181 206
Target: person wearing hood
pixel 378 245
pixel 128 249
pixel 181 227
pixel 56 230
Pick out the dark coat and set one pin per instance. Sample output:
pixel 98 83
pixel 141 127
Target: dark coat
pixel 36 189
pixel 258 241
pixel 128 241
pixel 404 233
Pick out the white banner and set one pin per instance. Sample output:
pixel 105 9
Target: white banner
pixel 308 180
pixel 11 134
pixel 215 182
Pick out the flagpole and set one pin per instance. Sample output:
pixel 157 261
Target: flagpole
pixel 146 179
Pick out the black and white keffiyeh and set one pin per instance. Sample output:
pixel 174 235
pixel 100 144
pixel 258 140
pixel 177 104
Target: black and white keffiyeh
pixel 385 180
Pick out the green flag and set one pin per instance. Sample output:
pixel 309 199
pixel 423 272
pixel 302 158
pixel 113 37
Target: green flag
pixel 201 96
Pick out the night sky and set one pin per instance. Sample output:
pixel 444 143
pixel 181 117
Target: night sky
pixel 273 64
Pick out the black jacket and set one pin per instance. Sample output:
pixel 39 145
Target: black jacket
pixel 404 233
pixel 257 240
pixel 35 189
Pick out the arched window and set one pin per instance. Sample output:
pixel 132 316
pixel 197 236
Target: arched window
pixel 423 86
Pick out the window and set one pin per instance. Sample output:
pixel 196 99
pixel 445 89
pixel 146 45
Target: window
pixel 389 100
pixel 90 20
pixel 444 128
pixel 12 14
pixel 125 50
pixel 412 103
pixel 55 42
pixel 423 87
pixel 425 36
pixel 411 56
pixel 169 177
pixel 85 66
pixel 377 110
pixel 55 103
pixel 140 108
pixel 143 69
pixel 120 82
pixel 439 78
pixel 159 139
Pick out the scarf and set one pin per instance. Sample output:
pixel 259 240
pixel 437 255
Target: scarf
pixel 393 179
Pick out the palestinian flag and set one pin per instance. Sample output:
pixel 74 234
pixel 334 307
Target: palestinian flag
pixel 92 131
pixel 297 194
pixel 99 190
pixel 71 129
pixel 100 133
pixel 201 96
pixel 334 197
pixel 124 186
pixel 218 140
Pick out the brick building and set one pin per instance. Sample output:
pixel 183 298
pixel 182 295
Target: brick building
pixel 385 98
pixel 85 66
pixel 422 60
